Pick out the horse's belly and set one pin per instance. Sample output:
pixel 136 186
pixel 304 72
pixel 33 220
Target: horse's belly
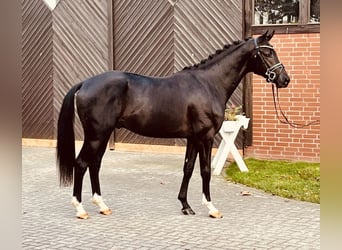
pixel 158 127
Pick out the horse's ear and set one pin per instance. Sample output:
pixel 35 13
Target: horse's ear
pixel 270 35
pixel 267 36
pixel 262 38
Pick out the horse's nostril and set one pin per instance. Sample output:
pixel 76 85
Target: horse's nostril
pixel 287 81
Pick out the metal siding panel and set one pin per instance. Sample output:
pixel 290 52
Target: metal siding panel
pixel 186 32
pixel 70 44
pixel 143 39
pixel 37 70
pixel 143 44
pixel 202 27
pixel 80 47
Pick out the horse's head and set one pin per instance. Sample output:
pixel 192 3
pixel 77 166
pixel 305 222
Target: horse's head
pixel 266 63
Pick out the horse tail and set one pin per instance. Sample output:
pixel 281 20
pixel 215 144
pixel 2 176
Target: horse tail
pixel 66 138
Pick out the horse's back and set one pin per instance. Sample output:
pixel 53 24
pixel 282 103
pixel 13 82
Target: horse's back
pixel 94 86
pixel 119 80
pixel 175 106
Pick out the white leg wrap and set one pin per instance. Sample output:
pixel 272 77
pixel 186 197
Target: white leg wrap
pixel 97 199
pixel 81 213
pixel 209 205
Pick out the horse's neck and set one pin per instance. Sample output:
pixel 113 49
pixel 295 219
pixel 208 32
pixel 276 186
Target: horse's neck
pixel 230 69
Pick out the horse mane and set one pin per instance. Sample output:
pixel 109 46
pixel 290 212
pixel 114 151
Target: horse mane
pixel 213 56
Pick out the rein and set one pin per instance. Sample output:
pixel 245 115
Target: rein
pixel 285 120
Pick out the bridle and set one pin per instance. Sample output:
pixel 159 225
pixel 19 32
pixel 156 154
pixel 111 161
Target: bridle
pixel 270 71
pixel 270 76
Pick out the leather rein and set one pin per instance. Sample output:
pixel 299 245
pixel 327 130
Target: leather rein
pixel 285 120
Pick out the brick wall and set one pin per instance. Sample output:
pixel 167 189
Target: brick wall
pixel 300 101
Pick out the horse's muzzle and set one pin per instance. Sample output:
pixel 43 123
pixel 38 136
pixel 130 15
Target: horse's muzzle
pixel 283 81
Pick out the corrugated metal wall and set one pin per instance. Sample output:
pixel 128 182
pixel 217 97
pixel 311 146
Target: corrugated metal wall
pixel 37 94
pixel 59 49
pixel 143 44
pixel 81 47
pixel 159 37
pixel 152 37
pixel 202 27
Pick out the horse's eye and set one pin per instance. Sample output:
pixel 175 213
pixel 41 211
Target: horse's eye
pixel 268 52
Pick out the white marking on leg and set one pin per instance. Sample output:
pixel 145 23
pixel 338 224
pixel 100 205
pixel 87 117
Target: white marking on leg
pixel 97 199
pixel 213 212
pixel 209 205
pixel 81 213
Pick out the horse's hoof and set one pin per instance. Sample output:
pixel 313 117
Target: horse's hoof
pixel 106 212
pixel 188 211
pixel 216 215
pixel 83 216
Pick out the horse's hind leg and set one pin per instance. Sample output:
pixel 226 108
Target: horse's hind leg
pixel 90 157
pixel 189 163
pixel 94 177
pixel 81 166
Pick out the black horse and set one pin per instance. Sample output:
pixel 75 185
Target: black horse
pixel 188 104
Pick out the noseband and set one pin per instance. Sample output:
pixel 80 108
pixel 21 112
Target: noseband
pixel 270 72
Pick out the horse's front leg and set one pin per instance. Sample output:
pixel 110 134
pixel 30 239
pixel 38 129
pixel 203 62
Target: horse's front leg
pixel 205 165
pixel 189 163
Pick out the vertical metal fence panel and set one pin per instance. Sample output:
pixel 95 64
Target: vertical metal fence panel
pixel 37 111
pixel 80 46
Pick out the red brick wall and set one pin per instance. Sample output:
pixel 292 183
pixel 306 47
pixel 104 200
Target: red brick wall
pixel 300 101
